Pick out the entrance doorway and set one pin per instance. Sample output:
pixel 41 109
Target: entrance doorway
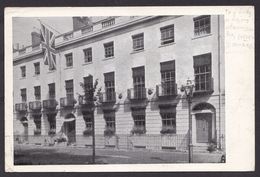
pixel 204 127
pixel 69 128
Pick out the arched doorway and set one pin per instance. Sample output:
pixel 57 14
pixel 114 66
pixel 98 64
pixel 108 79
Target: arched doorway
pixel 205 123
pixel 24 122
pixel 69 128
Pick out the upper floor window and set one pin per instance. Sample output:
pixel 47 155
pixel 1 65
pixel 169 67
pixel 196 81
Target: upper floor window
pixel 23 95
pixel 139 82
pixel 52 93
pixel 168 77
pixel 88 55
pixel 69 60
pixel 69 88
pixel 167 34
pixel 23 71
pixel 138 42
pixel 37 92
pixel 202 71
pixel 110 86
pixel 109 49
pixel 201 25
pixel 108 23
pixel 37 68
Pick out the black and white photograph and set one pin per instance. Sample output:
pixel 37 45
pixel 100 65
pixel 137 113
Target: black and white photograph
pixel 103 90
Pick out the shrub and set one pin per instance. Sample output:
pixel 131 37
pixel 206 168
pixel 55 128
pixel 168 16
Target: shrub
pixel 109 131
pixel 138 130
pixel 87 132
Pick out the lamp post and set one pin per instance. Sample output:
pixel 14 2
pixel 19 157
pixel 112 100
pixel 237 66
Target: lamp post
pixel 188 90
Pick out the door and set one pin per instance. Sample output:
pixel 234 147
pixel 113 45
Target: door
pixel 204 127
pixel 70 131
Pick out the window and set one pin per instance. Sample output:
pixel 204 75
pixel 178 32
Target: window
pixel 23 71
pixel 37 121
pixel 139 121
pixel 88 120
pixel 168 120
pixel 201 25
pixel 88 84
pixel 37 68
pixel 167 34
pixel 202 71
pixel 168 78
pixel 109 49
pixel 138 42
pixel 110 120
pixel 37 92
pixel 52 121
pixel 110 86
pixel 108 23
pixel 52 93
pixel 88 55
pixel 139 82
pixel 69 89
pixel 23 95
pixel 69 60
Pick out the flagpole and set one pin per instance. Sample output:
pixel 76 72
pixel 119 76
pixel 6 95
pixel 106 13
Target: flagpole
pixel 48 26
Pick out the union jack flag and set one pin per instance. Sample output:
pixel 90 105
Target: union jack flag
pixel 48 42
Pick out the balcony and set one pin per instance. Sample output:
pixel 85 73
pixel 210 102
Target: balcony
pixel 49 104
pixel 136 93
pixel 67 102
pixel 204 88
pixel 166 90
pixel 108 97
pixel 84 101
pixel 21 107
pixel 35 105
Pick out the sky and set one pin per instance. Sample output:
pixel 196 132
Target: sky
pixel 23 26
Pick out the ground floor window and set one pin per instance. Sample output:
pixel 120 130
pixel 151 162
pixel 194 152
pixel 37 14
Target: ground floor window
pixel 88 124
pixel 109 117
pixel 168 116
pixel 139 121
pixel 37 121
pixel 52 122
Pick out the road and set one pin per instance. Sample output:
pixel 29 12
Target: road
pixel 39 155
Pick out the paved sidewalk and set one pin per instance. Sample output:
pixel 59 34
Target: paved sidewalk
pixel 35 155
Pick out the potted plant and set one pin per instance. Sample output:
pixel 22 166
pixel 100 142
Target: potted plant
pixel 138 130
pixel 168 130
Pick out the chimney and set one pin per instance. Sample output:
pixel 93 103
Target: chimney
pixel 80 22
pixel 36 38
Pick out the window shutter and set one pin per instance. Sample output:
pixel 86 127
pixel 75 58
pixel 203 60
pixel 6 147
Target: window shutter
pixel 109 76
pixel 168 66
pixel 138 71
pixel 201 60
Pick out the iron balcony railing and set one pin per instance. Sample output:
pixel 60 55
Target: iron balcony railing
pixel 21 107
pixel 136 93
pixel 35 105
pixel 107 97
pixel 67 102
pixel 166 89
pixel 50 104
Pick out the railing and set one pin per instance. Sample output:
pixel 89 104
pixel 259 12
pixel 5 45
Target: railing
pixel 108 23
pixel 20 107
pixel 87 30
pixel 206 89
pixel 50 104
pixel 68 36
pixel 67 102
pixel 136 93
pixel 35 105
pixel 108 97
pixel 166 89
pixel 84 101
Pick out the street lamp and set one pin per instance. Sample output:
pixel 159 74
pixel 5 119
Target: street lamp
pixel 188 90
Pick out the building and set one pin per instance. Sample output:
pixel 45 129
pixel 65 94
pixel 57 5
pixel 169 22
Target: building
pixel 140 63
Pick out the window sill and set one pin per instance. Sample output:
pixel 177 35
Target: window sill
pixel 137 51
pixel 109 58
pixel 69 67
pixel 201 36
pixel 87 63
pixel 165 45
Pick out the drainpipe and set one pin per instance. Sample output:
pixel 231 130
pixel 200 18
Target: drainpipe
pixel 219 88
